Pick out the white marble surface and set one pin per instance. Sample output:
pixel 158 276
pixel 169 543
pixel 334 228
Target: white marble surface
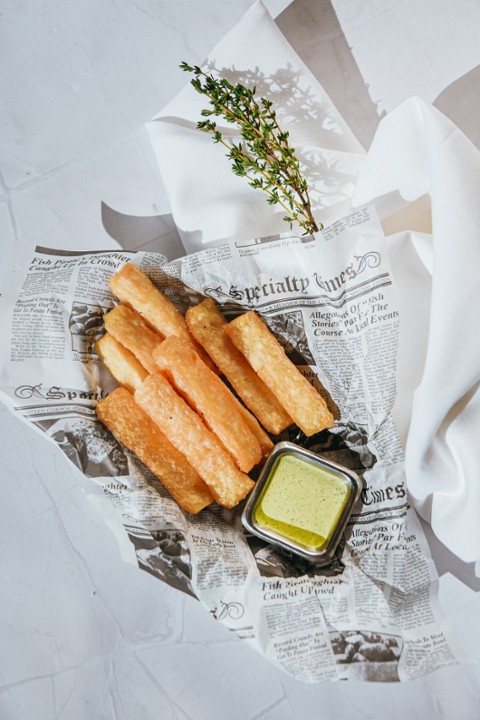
pixel 84 635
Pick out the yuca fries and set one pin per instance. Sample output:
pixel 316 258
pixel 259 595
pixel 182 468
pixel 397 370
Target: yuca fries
pixel 263 440
pixel 206 323
pixel 186 431
pixel 136 430
pixel 149 349
pixel 120 362
pixel 128 328
pixel 134 288
pixel 210 398
pixel 267 357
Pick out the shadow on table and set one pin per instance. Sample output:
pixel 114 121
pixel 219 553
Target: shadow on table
pixel 156 233
pixel 460 102
pixel 313 29
pixel 448 562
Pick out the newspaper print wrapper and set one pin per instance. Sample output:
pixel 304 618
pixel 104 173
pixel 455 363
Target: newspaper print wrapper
pixel 332 301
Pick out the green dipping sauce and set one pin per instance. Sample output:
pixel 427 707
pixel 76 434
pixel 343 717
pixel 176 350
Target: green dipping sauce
pixel 302 501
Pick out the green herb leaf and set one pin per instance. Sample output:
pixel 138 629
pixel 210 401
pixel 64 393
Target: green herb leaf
pixel 264 157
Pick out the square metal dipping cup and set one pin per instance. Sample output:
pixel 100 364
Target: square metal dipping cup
pixel 301 503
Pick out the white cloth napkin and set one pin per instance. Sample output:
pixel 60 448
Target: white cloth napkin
pixel 416 151
pixel 209 204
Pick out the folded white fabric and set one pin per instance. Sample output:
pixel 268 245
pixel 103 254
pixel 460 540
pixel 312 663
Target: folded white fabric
pixel 210 204
pixel 417 150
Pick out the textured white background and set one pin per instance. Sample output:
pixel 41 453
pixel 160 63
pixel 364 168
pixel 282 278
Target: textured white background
pixel 83 635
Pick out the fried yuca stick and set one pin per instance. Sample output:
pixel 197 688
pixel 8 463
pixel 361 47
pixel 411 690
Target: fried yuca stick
pixel 128 328
pixel 206 323
pixel 210 398
pixel 267 357
pixel 187 432
pixel 120 362
pixel 264 441
pixel 136 430
pixel 134 288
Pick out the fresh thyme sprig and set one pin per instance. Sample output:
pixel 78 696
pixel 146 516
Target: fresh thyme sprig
pixel 264 157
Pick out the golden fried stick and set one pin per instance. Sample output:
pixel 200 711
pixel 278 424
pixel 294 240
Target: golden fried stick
pixel 128 328
pixel 263 439
pixel 210 398
pixel 136 430
pixel 120 362
pixel 134 288
pixel 206 323
pixel 187 432
pixel 267 357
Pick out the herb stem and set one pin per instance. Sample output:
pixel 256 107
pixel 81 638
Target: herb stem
pixel 264 156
